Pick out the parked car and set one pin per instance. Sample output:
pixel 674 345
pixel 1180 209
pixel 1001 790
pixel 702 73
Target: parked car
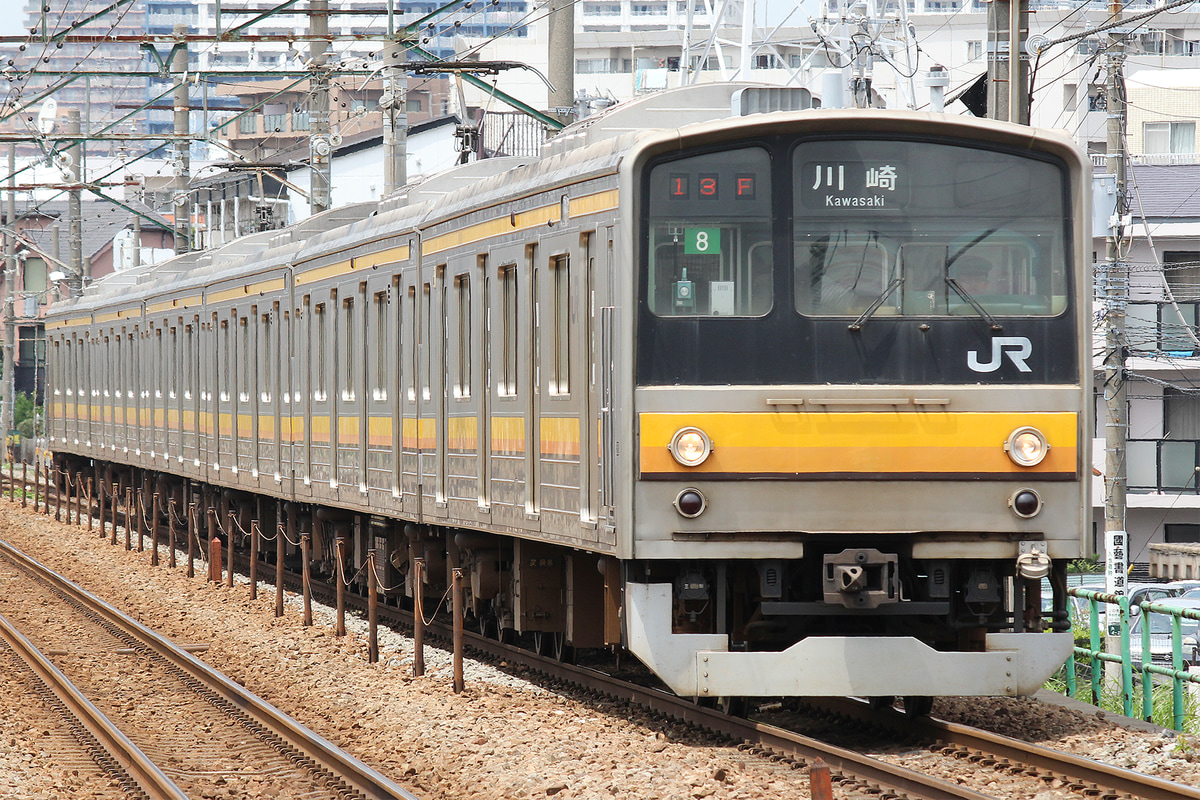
pixel 1160 634
pixel 1137 593
pixel 1179 587
pixel 1146 592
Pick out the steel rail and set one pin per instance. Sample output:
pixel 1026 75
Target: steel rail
pixel 848 764
pixel 354 772
pixel 126 755
pixel 857 766
pixel 1063 765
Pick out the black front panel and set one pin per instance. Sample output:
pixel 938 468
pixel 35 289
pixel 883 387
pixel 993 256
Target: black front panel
pixel 856 261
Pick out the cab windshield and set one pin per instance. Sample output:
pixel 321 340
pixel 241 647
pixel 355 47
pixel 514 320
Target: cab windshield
pixel 926 229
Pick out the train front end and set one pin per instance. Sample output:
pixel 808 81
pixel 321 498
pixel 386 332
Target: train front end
pixel 860 404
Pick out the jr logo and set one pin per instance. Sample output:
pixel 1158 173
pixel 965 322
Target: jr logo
pixel 1018 348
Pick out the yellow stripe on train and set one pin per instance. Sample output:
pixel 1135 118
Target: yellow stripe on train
pixel 813 444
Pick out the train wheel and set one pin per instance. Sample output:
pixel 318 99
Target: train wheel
pixel 734 706
pixel 487 627
pixel 918 705
pixel 562 651
pixel 543 643
pixel 881 702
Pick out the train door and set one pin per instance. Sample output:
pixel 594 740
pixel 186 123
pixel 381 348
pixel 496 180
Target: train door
pixel 508 388
pixel 353 363
pixel 303 358
pixel 105 339
pixel 409 383
pixel 589 438
pixel 320 392
pixel 560 275
pixel 378 341
pixel 283 386
pixel 191 395
pixel 206 442
pixel 266 395
pixel 482 347
pixel 462 454
pixel 604 393
pixel 431 376
pixel 532 383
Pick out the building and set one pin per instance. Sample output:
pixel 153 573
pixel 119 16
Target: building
pixel 44 274
pixel 1163 386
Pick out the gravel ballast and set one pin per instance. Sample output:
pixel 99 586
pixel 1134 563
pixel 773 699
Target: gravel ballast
pixel 502 737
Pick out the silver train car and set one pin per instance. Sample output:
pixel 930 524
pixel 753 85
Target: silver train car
pixel 783 403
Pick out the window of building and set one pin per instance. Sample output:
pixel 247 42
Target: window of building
pixel 1182 270
pixel 1181 533
pixel 1168 137
pixel 1181 414
pixel 35 275
pixel 274 123
pixel 974 49
pixel 301 121
pixel 248 123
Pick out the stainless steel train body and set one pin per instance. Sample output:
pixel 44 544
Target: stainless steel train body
pixel 719 392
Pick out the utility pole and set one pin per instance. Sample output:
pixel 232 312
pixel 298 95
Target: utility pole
pixel 1008 73
pixel 1116 412
pixel 561 66
pixel 395 113
pixel 320 148
pixel 75 203
pixel 10 274
pixel 183 146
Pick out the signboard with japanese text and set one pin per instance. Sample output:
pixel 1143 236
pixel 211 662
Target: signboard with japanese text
pixel 1116 566
pixel 854 185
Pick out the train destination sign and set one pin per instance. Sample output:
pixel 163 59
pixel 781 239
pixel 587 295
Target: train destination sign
pixel 850 185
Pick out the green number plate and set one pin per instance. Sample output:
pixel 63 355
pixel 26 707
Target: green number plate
pixel 700 241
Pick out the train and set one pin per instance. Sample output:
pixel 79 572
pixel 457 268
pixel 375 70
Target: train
pixel 781 400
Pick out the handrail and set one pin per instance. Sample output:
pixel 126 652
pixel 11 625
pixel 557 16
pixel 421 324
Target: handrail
pixel 1099 655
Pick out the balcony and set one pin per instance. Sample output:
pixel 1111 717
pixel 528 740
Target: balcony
pixel 1164 466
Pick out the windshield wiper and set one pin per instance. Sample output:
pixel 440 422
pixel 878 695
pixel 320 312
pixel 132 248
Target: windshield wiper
pixel 961 292
pixel 871 309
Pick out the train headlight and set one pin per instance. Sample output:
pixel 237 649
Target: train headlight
pixel 690 446
pixel 1027 447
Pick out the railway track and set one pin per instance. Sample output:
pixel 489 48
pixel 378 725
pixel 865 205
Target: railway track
pixel 194 728
pixel 853 770
pixel 1013 756
pixel 978 748
pixel 111 749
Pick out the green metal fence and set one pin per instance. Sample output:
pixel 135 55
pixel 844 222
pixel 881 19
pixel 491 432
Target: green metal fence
pixel 1146 670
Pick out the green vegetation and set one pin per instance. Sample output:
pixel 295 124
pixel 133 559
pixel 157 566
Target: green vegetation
pixel 25 415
